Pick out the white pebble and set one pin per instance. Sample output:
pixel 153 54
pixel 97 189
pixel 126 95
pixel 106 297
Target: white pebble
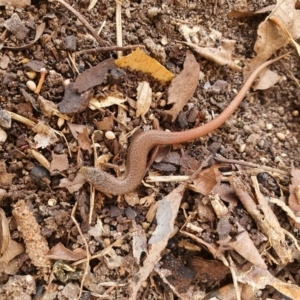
pixel 52 202
pixel 31 85
pixel 280 136
pixel 110 135
pixel 269 126
pixel 295 113
pixel 242 148
pixel 3 136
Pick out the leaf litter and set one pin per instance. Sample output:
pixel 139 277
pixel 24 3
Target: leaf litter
pixel 247 255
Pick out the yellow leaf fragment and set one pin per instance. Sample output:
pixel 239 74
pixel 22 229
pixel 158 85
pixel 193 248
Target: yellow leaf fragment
pixel 139 61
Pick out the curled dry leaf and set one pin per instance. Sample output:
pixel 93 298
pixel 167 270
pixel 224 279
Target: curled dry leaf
pixel 38 33
pixel 294 201
pixel 270 37
pixel 16 27
pixel 106 102
pixel 73 185
pixel 258 278
pixel 144 98
pixel 267 79
pixel 220 55
pixel 206 180
pixel 45 135
pixel 60 252
pixel 243 245
pixel 183 86
pixel 166 214
pixel 243 11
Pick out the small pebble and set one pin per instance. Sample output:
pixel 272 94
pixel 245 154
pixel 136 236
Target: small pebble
pixel 31 74
pixel 269 126
pixel 31 85
pixel 5 119
pixel 60 122
pixel 263 160
pixel 110 135
pixel 162 103
pixel 158 95
pixel 295 113
pixel 52 202
pixel 280 136
pixel 3 136
pixel 242 148
pixel 106 242
pixel 145 225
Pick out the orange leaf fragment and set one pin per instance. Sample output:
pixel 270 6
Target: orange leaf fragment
pixel 139 61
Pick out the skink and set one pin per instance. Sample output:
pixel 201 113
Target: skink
pixel 142 144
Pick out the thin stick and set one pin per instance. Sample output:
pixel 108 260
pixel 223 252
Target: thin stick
pixel 248 164
pixel 83 21
pixel 88 257
pixel 108 49
pixel 119 25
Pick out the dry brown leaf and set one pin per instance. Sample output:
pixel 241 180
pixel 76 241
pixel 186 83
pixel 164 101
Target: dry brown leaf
pixel 294 197
pixel 109 100
pixel 207 179
pixel 45 136
pixel 258 278
pixel 59 162
pixel 139 61
pixel 5 178
pixel 60 252
pixel 84 140
pixel 73 101
pixel 242 12
pixel 73 185
pixel 38 33
pixel 243 245
pixel 268 78
pixel 270 37
pixel 220 55
pixel 263 216
pixel 93 76
pixel 13 250
pixel 167 211
pixel 183 86
pixel 139 243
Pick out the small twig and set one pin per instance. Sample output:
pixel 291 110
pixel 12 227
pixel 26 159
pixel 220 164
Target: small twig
pixel 234 278
pixel 105 250
pixel 41 81
pixel 83 21
pixel 109 48
pixel 248 164
pixel 88 257
pixel 119 25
